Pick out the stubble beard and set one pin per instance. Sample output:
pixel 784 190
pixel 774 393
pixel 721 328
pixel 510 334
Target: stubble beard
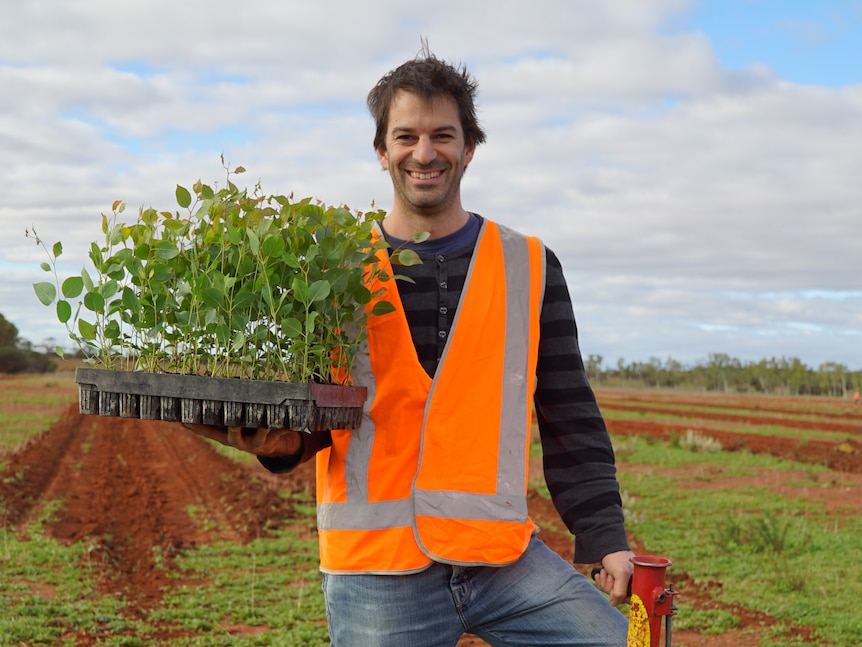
pixel 425 202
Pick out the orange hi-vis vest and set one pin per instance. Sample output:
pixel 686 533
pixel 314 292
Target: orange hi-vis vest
pixel 438 468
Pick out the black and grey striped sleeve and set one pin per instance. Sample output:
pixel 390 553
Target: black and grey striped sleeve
pixel 577 453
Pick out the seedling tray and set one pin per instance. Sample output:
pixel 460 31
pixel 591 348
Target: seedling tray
pixel 221 402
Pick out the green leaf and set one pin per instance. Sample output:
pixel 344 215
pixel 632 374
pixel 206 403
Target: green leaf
pixel 421 237
pixel 290 259
pixel 166 250
pixel 87 330
pixel 406 257
pixel 109 289
pixel 46 292
pixel 244 300
pixel 112 330
pixel 64 310
pixel 184 198
pixel 311 322
pixel 253 241
pixel 272 247
pixel 60 352
pixel 382 308
pixel 57 249
pixel 45 266
pixel 142 251
pixel 213 297
pixel 318 290
pixel 159 274
pixel 117 234
pixel 291 327
pixel 94 302
pixel 266 295
pixel 300 290
pixel 130 299
pixel 238 341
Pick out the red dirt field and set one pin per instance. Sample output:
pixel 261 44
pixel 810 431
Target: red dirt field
pixel 843 452
pixel 131 478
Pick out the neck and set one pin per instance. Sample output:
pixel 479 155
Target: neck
pixel 405 225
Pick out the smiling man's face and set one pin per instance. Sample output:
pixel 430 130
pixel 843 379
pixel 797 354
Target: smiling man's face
pixel 425 155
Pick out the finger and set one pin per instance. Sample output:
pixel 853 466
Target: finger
pixel 213 433
pixel 234 436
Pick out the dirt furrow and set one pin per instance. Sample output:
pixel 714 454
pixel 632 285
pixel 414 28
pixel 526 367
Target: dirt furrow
pixel 826 424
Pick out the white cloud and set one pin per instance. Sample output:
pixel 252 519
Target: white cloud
pixel 692 206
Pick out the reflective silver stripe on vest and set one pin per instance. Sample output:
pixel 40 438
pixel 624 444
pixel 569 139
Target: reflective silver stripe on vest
pixel 356 515
pixel 509 502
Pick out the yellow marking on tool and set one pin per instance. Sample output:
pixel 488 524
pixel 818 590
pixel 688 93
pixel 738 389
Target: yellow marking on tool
pixel 639 629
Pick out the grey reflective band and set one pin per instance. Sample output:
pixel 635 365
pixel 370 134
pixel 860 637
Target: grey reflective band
pixel 464 505
pixel 361 515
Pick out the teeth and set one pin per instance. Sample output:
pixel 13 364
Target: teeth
pixel 425 176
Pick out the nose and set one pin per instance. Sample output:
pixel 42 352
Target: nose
pixel 424 152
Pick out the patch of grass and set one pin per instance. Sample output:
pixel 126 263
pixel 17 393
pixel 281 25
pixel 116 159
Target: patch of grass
pixel 31 404
pixel 14 396
pixel 781 556
pixel 17 428
pixel 264 593
pixel 707 621
pixel 271 585
pixel 47 598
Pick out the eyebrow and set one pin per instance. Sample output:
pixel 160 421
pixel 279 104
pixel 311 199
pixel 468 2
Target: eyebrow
pixel 405 129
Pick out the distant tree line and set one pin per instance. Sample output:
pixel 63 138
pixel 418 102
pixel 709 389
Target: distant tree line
pixel 17 355
pixel 721 372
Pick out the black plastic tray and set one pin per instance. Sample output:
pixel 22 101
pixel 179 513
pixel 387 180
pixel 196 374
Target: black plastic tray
pixel 222 402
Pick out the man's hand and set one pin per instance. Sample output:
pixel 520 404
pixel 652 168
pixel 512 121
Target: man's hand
pixel 263 442
pixel 614 577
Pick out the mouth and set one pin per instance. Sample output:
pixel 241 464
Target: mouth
pixel 424 175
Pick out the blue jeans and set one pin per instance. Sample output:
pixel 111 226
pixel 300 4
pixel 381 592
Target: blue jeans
pixel 539 600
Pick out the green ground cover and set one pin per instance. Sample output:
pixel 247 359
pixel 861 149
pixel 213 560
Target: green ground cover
pixel 787 557
pixel 264 593
pixel 30 404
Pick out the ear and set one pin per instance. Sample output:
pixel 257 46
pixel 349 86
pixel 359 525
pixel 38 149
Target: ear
pixel 468 154
pixel 383 158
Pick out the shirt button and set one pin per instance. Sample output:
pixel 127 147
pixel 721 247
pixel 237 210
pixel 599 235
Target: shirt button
pixel 442 334
pixel 443 284
pixel 443 310
pixel 440 258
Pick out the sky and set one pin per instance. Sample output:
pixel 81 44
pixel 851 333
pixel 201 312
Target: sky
pixel 695 164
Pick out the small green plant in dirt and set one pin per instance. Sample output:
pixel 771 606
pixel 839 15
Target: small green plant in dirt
pixel 696 441
pixel 235 283
pixel 762 533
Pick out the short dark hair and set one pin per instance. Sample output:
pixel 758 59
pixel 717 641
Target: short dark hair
pixel 429 78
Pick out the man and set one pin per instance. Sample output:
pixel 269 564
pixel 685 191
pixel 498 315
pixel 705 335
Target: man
pixel 422 512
